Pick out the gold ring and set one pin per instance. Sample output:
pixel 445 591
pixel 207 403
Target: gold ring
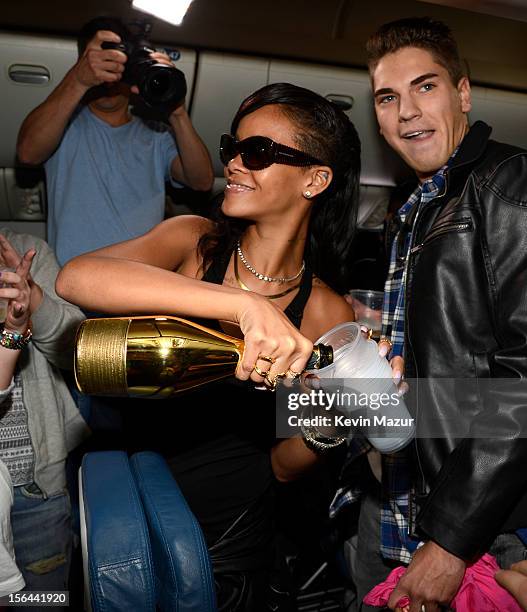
pixel 273 381
pixel 292 374
pixel 259 372
pixel 275 377
pixel 270 360
pixel 369 333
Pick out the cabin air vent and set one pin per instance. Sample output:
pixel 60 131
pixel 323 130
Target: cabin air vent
pixel 29 74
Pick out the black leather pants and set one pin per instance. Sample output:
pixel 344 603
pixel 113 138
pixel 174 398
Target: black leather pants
pixel 242 559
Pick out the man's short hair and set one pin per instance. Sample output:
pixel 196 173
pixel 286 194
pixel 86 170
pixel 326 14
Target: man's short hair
pixel 89 30
pixel 421 32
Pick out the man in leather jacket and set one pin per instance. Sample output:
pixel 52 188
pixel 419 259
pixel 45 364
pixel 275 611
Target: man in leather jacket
pixel 462 253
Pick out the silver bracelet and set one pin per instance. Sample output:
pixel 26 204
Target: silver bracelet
pixel 318 443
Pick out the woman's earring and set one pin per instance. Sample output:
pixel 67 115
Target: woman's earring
pixel 307 194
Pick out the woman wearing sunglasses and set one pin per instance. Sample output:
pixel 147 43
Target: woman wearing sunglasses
pixel 270 262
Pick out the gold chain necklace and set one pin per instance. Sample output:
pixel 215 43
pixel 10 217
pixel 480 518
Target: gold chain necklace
pixel 245 288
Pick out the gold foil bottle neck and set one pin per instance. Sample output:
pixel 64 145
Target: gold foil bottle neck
pixel 151 356
pixel 100 356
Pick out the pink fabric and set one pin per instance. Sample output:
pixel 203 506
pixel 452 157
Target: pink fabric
pixel 478 591
pixel 380 594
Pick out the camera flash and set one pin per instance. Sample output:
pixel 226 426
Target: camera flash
pixel 172 11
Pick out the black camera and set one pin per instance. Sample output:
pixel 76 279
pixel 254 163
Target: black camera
pixel 162 87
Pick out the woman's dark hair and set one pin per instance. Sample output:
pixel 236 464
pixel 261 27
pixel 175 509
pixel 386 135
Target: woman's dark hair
pixel 325 133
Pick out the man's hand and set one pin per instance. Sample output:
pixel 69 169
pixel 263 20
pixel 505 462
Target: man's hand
pixel 396 363
pixel 432 578
pixel 97 65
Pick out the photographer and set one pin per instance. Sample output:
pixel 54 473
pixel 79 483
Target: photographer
pixel 106 169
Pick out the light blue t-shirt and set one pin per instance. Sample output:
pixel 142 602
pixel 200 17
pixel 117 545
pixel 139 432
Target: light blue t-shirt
pixel 106 184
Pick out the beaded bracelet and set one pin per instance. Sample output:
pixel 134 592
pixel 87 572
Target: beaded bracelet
pixel 15 340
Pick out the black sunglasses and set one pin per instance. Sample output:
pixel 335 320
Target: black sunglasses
pixel 259 152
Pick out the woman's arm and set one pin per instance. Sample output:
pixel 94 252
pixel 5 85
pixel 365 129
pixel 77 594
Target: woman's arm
pixel 291 458
pixel 137 277
pixel 17 292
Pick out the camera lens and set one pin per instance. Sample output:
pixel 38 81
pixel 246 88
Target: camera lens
pixel 159 83
pixel 163 85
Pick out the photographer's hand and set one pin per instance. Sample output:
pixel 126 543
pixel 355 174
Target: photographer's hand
pixel 97 65
pixel 161 58
pixel 43 129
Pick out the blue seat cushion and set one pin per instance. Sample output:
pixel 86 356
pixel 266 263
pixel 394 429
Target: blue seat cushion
pixel 120 563
pixel 184 580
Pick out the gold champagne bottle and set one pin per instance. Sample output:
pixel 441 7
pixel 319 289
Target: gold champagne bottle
pixel 157 356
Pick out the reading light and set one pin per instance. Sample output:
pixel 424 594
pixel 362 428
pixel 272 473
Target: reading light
pixel 172 11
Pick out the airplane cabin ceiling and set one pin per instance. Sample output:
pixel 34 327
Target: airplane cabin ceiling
pixel 332 32
pixel 512 9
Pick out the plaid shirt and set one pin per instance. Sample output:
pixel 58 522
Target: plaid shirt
pixel 393 307
pixel 396 542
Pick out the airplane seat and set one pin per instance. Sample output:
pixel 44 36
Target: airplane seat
pixel 142 548
pixel 116 551
pixel 183 571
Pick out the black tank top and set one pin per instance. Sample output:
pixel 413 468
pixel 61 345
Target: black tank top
pixel 217 439
pixel 295 310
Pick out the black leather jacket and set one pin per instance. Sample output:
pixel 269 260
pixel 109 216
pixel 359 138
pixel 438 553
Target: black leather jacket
pixel 466 313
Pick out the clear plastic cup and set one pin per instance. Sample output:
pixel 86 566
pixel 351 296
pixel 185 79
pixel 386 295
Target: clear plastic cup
pixel 357 362
pixel 367 305
pixel 354 356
